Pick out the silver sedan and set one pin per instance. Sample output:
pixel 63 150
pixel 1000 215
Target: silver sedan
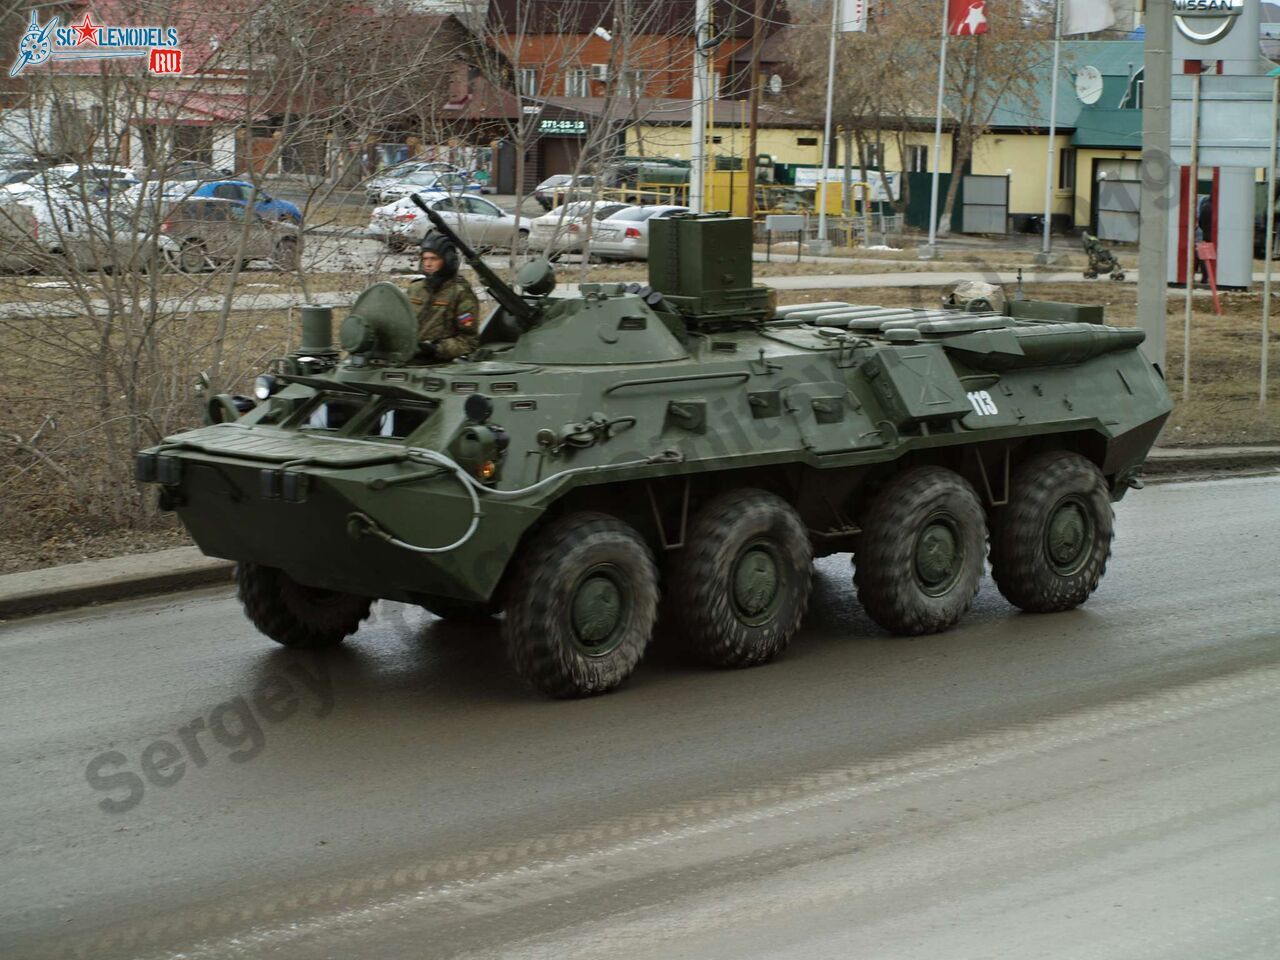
pixel 625 235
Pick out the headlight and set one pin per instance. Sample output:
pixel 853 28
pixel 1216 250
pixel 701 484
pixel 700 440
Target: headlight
pixel 264 386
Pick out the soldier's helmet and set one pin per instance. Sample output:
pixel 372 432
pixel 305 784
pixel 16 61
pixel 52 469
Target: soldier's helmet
pixel 444 248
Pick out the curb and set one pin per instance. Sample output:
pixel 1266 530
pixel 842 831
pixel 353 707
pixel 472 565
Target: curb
pixel 185 568
pixel 117 578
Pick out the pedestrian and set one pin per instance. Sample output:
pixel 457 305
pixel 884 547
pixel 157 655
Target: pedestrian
pixel 446 306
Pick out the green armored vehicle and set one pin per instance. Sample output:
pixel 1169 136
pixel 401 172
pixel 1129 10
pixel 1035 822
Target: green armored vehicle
pixel 672 456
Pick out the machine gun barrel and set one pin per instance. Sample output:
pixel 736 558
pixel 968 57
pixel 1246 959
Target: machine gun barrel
pixel 507 298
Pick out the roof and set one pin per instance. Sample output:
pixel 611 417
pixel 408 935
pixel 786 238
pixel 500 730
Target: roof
pixel 1108 128
pixel 653 110
pixel 1116 60
pixel 183 106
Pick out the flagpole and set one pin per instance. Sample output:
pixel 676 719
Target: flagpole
pixel 1053 132
pixel 931 251
pixel 820 244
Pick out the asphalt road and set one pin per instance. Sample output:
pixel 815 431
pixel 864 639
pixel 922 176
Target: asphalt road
pixel 1096 784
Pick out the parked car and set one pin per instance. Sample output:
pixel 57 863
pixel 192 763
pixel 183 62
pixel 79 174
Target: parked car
pixel 562 188
pixel 20 249
pixel 480 223
pixel 239 191
pixel 427 181
pixel 388 176
pixel 209 230
pixel 117 241
pixel 563 230
pixel 93 181
pixel 625 235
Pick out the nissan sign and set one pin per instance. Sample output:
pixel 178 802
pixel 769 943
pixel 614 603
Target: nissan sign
pixel 1205 21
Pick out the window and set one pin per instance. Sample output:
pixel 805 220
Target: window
pixel 400 420
pixel 479 207
pixel 715 84
pixel 917 159
pixel 1066 170
pixel 1136 102
pixel 875 155
pixel 227 191
pixel 577 84
pixel 529 81
pixel 806 141
pixel 631 83
pixel 332 413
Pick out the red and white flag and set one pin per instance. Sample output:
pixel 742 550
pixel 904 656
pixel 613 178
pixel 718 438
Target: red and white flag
pixel 966 18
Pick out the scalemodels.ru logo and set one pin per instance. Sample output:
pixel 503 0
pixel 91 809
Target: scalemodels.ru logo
pixel 94 41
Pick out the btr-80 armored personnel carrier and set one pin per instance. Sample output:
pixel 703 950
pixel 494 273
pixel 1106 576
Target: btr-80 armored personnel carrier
pixel 683 448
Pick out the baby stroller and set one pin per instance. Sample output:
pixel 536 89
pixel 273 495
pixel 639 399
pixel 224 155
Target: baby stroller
pixel 1101 260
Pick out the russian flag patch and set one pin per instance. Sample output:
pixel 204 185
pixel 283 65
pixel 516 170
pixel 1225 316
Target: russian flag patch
pixel 466 320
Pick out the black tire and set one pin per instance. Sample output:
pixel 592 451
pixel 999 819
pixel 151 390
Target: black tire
pixel 457 611
pixel 286 255
pixel 919 558
pixel 581 606
pixel 296 615
pixel 1051 542
pixel 191 257
pixel 740 587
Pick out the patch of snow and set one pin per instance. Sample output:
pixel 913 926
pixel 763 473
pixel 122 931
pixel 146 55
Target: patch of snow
pixel 50 285
pixel 881 246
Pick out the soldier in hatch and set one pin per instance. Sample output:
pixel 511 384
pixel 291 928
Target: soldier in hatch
pixel 447 309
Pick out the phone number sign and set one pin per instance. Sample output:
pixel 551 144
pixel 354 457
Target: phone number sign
pixel 570 128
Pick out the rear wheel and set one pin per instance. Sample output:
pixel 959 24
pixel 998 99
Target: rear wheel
pixel 1050 543
pixel 581 608
pixel 296 615
pixel 919 556
pixel 286 254
pixel 740 587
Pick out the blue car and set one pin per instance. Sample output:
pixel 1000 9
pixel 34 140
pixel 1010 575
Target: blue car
pixel 240 191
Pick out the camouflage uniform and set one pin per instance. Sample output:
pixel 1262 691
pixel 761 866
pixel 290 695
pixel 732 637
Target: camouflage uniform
pixel 449 316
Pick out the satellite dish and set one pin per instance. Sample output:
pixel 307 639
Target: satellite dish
pixel 1089 84
pixel 775 84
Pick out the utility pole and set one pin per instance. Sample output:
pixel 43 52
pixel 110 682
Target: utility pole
pixel 1157 178
pixel 756 30
pixel 701 83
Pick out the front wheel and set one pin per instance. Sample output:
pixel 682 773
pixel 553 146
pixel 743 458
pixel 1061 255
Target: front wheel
pixel 1050 543
pixel 740 587
pixel 191 257
pixel 295 615
pixel 919 556
pixel 582 605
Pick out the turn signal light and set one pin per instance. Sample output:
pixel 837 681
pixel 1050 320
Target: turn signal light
pixel 488 470
pixel 632 233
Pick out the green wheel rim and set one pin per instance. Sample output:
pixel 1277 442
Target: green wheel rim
pixel 756 583
pixel 1069 534
pixel 599 611
pixel 939 555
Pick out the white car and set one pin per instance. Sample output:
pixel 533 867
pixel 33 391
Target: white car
pixel 481 224
pixel 374 186
pixel 94 180
pixel 564 229
pixel 427 181
pixel 625 235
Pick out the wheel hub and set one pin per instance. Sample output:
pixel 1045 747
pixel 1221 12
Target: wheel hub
pixel 937 558
pixel 755 582
pixel 1067 536
pixel 597 612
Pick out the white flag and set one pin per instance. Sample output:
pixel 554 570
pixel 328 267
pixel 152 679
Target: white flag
pixel 1086 16
pixel 853 16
